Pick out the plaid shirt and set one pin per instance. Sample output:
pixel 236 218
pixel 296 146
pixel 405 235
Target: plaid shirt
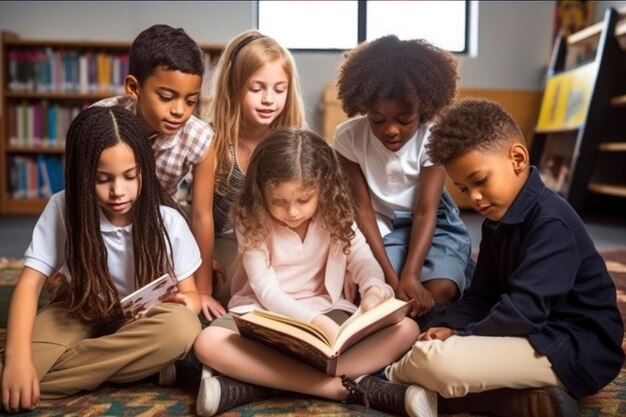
pixel 174 155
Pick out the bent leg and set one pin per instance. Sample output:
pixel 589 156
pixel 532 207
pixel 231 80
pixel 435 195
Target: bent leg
pixel 469 364
pixel 137 350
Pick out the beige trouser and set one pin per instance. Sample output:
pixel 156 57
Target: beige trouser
pixel 468 364
pixel 225 252
pixel 68 361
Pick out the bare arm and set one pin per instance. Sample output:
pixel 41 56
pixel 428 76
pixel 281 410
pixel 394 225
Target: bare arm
pixel 367 219
pixel 20 383
pixel 431 182
pixel 203 230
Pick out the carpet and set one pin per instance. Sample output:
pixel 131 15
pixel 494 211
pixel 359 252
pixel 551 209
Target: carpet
pixel 146 399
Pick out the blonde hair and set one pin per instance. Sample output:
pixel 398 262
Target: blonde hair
pixel 244 55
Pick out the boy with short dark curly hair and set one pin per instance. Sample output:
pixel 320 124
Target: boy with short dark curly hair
pixel 408 218
pixel 162 89
pixel 539 326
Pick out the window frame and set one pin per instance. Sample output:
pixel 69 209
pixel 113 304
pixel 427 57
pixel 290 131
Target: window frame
pixel 362 29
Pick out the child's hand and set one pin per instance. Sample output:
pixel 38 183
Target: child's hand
pixel 328 326
pixel 436 333
pixel 20 386
pixel 371 298
pixel 211 308
pixel 189 299
pixel 349 290
pixel 423 300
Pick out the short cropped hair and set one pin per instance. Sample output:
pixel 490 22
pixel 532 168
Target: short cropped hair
pixel 471 124
pixel 413 72
pixel 162 46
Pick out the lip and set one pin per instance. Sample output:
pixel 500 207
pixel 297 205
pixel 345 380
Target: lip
pixel 265 113
pixel 484 209
pixel 172 125
pixel 393 146
pixel 118 206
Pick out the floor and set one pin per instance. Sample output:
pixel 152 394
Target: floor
pixel 606 232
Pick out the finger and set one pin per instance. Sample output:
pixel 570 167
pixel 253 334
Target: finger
pixel 14 401
pixel 206 312
pixel 36 393
pixel 26 402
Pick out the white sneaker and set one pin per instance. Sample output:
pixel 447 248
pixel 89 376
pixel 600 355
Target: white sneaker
pixel 420 402
pixel 209 393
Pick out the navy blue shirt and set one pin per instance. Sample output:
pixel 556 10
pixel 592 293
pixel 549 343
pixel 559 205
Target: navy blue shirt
pixel 539 276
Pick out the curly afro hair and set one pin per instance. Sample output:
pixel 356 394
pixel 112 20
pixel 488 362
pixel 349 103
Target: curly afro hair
pixel 471 124
pixel 414 72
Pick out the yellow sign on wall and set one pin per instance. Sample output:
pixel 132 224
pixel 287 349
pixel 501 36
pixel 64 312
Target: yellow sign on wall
pixel 566 99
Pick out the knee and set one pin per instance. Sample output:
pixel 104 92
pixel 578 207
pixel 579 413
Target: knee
pixel 443 290
pixel 208 343
pixel 424 364
pixel 181 326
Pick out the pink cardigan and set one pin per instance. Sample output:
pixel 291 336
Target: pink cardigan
pixel 303 279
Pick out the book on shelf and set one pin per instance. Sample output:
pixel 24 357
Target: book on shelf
pixel 309 343
pixel 148 296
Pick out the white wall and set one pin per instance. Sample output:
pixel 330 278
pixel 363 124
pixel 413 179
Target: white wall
pixel 514 37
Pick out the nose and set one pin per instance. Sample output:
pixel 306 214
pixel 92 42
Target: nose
pixel 392 130
pixel 475 195
pixel 117 189
pixel 292 211
pixel 268 97
pixel 178 108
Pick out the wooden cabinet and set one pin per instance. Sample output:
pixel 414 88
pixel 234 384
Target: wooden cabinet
pixel 43 85
pixel 579 142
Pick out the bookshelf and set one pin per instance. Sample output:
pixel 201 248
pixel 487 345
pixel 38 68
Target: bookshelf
pixel 579 142
pixel 43 85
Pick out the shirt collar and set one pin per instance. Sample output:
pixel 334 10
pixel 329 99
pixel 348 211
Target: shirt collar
pixel 107 227
pixel 525 199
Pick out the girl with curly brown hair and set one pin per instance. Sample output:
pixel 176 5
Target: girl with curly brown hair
pixel 408 218
pixel 298 244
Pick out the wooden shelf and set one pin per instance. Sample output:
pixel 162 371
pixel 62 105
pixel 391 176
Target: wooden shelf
pixel 613 147
pixel 618 101
pixel 34 150
pixel 24 206
pixel 608 189
pixel 60 96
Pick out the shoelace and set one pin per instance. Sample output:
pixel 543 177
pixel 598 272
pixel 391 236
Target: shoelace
pixel 356 393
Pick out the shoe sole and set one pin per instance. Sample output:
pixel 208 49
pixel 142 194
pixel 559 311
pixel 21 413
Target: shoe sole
pixel 204 406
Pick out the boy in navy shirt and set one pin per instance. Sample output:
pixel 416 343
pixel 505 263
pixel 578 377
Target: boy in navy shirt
pixel 539 326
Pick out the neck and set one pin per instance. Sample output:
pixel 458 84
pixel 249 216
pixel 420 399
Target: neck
pixel 253 135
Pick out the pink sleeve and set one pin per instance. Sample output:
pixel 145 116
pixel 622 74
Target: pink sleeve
pixel 363 267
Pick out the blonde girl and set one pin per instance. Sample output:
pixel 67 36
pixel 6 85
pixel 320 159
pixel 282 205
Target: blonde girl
pixel 112 230
pixel 299 243
pixel 256 91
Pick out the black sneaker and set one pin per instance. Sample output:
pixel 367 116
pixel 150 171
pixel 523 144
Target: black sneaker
pixel 185 372
pixel 218 394
pixel 400 399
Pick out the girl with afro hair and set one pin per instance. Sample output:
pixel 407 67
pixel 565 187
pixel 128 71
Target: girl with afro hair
pixel 396 87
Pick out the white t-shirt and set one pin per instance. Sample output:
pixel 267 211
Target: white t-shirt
pixel 391 176
pixel 46 252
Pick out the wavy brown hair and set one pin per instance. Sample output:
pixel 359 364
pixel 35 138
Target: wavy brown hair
pixel 244 55
pixel 93 296
pixel 295 154
pixel 413 72
pixel 471 124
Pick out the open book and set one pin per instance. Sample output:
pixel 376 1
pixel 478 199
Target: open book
pixel 149 295
pixel 308 342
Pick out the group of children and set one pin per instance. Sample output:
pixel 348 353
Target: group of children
pixel 314 231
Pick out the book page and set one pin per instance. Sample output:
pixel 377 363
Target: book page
pixel 307 327
pixel 361 324
pixel 149 295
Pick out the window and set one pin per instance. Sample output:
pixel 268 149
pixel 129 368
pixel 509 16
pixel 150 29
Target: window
pixel 339 25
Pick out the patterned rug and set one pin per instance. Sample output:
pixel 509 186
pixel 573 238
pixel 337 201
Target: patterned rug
pixel 146 399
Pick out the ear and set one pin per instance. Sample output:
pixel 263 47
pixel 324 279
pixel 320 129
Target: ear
pixel 131 85
pixel 519 157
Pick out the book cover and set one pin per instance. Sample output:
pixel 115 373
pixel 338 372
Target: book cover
pixel 307 342
pixel 148 296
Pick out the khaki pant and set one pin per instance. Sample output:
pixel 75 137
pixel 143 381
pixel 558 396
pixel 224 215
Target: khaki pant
pixel 225 252
pixel 468 364
pixel 68 361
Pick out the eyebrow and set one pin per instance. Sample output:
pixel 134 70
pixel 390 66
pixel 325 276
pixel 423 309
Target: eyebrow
pixel 175 92
pixel 136 167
